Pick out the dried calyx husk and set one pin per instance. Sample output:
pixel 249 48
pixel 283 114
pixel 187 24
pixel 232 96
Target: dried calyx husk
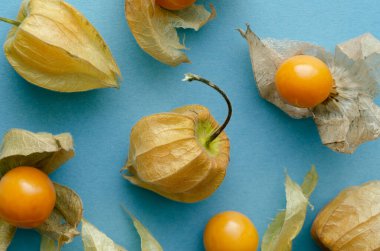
pixel 183 154
pixel 94 240
pixel 52 45
pixel 349 116
pixel 351 221
pixel 154 28
pixel 47 153
pixel 288 223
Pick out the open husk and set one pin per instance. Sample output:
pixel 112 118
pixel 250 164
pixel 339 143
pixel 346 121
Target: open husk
pixel 47 153
pixel 349 117
pixel 148 242
pixel 351 221
pixel 154 28
pixel 55 47
pixel 288 223
pixel 175 155
pixel 94 240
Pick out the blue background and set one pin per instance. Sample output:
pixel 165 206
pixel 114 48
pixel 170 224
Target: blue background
pixel 264 141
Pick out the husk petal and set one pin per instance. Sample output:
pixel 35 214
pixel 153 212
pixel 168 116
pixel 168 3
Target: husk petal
pixel 62 224
pixel 154 28
pixel 48 244
pixel 7 232
pixel 288 223
pixel 94 240
pixel 75 57
pixel 349 116
pixel 148 242
pixel 41 150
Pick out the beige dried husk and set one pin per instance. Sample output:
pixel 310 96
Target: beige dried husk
pixel 47 153
pixel 168 154
pixel 351 221
pixel 56 47
pixel 288 223
pixel 349 116
pixel 154 28
pixel 94 240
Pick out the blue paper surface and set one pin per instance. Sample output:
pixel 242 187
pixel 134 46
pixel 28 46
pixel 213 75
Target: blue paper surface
pixel 264 140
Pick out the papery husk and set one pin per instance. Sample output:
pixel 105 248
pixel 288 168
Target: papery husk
pixel 7 232
pixel 56 47
pixel 48 244
pixel 349 116
pixel 65 218
pixel 154 28
pixel 167 154
pixel 94 240
pixel 351 221
pixel 288 223
pixel 47 153
pixel 41 150
pixel 148 242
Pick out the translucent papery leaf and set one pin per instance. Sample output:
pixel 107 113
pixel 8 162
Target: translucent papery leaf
pixel 7 232
pixel 94 240
pixel 41 150
pixel 289 48
pixel 288 223
pixel 48 244
pixel 349 116
pixel 66 216
pixel 365 47
pixel 148 242
pixel 154 28
pixel 310 182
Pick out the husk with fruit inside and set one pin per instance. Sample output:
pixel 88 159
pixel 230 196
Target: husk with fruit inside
pixel 349 117
pixel 351 221
pixel 46 152
pixel 177 166
pixel 154 28
pixel 171 153
pixel 53 46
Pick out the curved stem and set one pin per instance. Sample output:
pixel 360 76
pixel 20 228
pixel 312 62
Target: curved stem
pixel 10 21
pixel 191 77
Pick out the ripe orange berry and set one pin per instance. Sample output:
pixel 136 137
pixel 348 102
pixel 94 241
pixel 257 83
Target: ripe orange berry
pixel 304 81
pixel 175 4
pixel 230 231
pixel 27 197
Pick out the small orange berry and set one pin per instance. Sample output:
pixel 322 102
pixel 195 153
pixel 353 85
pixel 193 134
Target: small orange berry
pixel 27 197
pixel 304 81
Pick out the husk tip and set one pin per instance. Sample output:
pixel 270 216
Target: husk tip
pixel 245 33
